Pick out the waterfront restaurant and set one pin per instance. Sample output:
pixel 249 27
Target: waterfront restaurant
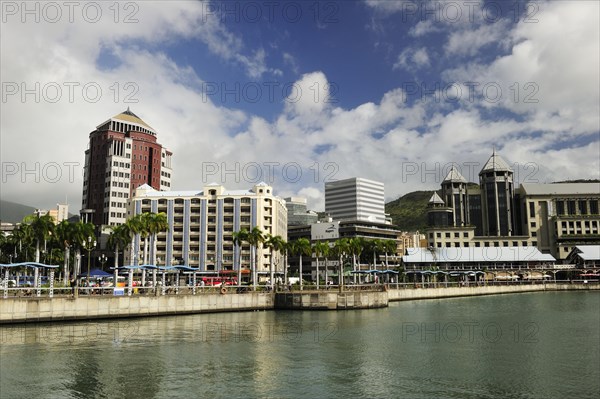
pixel 586 260
pixel 501 263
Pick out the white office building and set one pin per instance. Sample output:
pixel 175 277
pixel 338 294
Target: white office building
pixel 356 199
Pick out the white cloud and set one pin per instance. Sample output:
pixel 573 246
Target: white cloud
pixel 385 139
pixel 423 28
pixel 551 74
pixel 412 59
pixel 470 41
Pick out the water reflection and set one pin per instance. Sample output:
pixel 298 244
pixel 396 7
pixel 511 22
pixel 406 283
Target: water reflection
pixel 540 345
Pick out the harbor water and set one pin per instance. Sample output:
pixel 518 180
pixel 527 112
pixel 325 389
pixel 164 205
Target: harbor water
pixel 533 345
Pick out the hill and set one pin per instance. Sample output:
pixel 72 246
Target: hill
pixel 409 212
pixel 12 212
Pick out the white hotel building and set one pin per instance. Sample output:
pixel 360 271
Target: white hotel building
pixel 202 223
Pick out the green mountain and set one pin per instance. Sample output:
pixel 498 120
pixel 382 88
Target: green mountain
pixel 12 212
pixel 409 212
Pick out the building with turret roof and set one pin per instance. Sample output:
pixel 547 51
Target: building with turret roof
pixel 123 153
pixel 554 218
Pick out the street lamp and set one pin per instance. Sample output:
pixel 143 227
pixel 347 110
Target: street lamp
pixel 88 246
pixel 102 259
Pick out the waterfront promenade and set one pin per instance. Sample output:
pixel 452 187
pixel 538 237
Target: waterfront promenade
pixel 25 309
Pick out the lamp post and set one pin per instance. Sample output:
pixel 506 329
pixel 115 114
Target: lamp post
pixel 102 259
pixel 88 246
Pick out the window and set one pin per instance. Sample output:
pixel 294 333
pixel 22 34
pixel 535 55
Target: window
pixel 532 209
pixel 456 235
pixel 447 235
pixel 560 207
pixel 466 235
pixel 594 207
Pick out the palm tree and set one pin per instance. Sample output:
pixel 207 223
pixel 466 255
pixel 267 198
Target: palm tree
pixel 119 238
pixel 239 238
pixel 42 228
pixel 156 223
pixel 376 246
pixel 355 246
pixel 66 236
pixel 137 227
pixel 81 234
pixel 22 236
pixel 340 249
pixel 389 246
pixel 274 243
pixel 320 248
pixel 255 239
pixel 301 247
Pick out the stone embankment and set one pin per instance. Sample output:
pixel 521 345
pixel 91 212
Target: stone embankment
pixel 43 309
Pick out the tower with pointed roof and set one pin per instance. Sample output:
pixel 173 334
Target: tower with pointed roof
pixel 454 193
pixel 497 197
pixel 123 153
pixel 438 214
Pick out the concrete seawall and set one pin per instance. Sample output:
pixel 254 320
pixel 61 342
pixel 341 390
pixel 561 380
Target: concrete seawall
pixel 19 310
pixel 407 294
pixel 331 300
pixel 25 310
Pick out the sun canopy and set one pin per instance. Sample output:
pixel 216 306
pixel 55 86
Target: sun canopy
pixel 29 264
pixel 96 273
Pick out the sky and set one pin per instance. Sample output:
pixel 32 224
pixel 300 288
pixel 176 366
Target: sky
pixel 297 93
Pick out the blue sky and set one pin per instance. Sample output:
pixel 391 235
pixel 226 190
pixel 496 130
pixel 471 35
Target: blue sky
pixel 394 91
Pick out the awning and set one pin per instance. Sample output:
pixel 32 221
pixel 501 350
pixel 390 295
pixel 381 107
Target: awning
pixel 29 264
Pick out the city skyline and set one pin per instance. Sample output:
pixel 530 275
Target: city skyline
pixel 212 86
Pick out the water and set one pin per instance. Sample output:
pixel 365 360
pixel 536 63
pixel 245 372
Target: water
pixel 538 345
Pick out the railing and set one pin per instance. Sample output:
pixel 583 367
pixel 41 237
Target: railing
pixel 33 292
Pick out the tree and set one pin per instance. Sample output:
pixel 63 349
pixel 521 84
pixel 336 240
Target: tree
pixel 321 248
pixel 81 235
pixel 389 246
pixel 356 245
pixel 255 239
pixel 42 229
pixel 119 238
pixel 340 249
pixel 156 223
pixel 301 247
pixel 239 238
pixel 275 244
pixel 137 227
pixel 376 247
pixel 22 238
pixel 66 234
